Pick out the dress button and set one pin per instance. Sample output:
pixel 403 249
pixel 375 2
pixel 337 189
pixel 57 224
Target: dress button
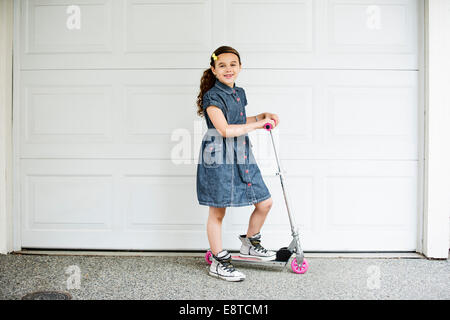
pixel 242 113
pixel 238 99
pixel 246 171
pixel 249 184
pixel 245 157
pixel 234 91
pixel 244 142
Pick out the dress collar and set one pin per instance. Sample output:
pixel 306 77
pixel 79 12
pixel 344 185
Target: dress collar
pixel 224 87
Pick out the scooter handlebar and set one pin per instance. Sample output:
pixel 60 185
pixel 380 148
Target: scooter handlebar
pixel 268 125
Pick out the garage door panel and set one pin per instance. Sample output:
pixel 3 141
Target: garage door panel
pixel 326 114
pixel 271 26
pixel 357 201
pixel 269 34
pixel 67 114
pixel 108 114
pixel 336 114
pixel 53 27
pixel 339 205
pixel 369 201
pixel 122 198
pixel 356 112
pixel 115 34
pixel 345 35
pixel 372 26
pixel 150 109
pixel 83 239
pixel 74 202
pixel 292 96
pixel 150 201
pixel 153 26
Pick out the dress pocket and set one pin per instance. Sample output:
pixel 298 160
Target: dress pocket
pixel 212 155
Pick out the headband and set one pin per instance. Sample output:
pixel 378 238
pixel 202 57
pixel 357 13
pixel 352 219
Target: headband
pixel 215 57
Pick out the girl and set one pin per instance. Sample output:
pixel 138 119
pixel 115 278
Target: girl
pixel 236 181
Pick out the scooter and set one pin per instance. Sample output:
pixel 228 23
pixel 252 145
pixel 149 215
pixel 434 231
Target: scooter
pixel 298 264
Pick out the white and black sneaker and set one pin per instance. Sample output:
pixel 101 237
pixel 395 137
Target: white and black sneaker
pixel 252 248
pixel 222 268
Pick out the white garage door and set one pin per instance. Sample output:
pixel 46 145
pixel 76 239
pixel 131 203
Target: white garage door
pixel 105 99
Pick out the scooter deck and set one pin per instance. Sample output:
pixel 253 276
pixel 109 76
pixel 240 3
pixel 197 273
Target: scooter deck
pixel 256 261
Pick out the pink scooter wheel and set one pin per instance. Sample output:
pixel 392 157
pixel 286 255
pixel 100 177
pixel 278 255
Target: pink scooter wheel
pixel 298 270
pixel 208 257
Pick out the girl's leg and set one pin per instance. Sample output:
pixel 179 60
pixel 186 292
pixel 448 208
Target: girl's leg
pixel 214 229
pixel 259 216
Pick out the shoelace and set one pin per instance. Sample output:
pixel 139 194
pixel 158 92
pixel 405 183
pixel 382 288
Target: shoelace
pixel 226 263
pixel 258 246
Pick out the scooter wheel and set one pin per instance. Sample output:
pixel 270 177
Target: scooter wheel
pixel 208 257
pixel 296 268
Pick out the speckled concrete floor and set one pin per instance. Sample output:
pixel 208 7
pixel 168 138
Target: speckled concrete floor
pixel 186 278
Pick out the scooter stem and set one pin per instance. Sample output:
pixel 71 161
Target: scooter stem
pixel 291 218
pixel 295 243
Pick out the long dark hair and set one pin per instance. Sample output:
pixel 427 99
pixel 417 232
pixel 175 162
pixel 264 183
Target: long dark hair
pixel 208 78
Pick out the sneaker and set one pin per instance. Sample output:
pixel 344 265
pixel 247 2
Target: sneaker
pixel 222 268
pixel 252 248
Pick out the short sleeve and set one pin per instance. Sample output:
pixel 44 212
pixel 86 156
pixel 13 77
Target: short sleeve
pixel 213 99
pixel 243 97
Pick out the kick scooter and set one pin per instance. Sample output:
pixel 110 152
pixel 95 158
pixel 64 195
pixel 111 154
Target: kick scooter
pixel 299 264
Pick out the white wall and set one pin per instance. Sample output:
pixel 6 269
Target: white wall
pixel 6 31
pixel 437 133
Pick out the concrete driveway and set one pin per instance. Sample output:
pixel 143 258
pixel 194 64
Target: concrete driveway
pixel 184 276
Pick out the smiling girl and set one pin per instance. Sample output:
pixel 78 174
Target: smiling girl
pixel 237 181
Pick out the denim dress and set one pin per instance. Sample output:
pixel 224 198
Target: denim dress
pixel 227 173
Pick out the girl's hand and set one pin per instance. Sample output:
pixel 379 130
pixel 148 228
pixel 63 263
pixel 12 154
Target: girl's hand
pixel 273 116
pixel 264 121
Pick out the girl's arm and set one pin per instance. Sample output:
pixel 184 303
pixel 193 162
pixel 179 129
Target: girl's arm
pixel 259 116
pixel 232 130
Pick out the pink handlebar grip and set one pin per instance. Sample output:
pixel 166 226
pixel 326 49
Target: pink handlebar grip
pixel 268 125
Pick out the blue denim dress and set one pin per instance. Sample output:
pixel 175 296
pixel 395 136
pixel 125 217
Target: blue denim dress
pixel 227 173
